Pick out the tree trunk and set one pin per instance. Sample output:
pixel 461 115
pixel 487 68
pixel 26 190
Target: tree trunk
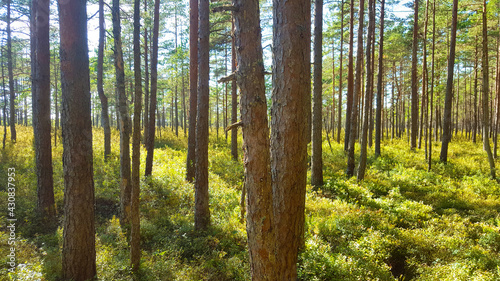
pixel 356 93
pixel 250 78
pixel 193 88
pixel 78 253
pixel 432 82
pixel 234 103
pixel 476 113
pixel 56 101
pixel 4 107
pixel 341 59
pixel 485 90
pixel 150 145
pixel 201 209
pixel 317 126
pixel 40 66
pixel 176 94
pixel 135 236
pixel 289 131
pixel 100 89
pixel 146 80
pixel 350 79
pixel 12 92
pixel 414 81
pixel 125 183
pixel 184 115
pixel 380 90
pixel 448 102
pixel 425 74
pixel 369 90
pixel 497 85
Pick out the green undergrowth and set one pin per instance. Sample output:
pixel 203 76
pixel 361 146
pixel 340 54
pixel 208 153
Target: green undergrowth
pixel 401 223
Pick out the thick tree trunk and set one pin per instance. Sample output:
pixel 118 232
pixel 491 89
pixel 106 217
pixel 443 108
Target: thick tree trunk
pixel 485 90
pixel 317 119
pixel 193 88
pixel 250 78
pixel 369 90
pixel 125 183
pixel 78 253
pixel 448 102
pixel 135 236
pixel 201 209
pixel 350 79
pixel 290 132
pixel 414 81
pixel 380 90
pixel 12 92
pixel 40 66
pixel 356 93
pixel 150 145
pixel 100 82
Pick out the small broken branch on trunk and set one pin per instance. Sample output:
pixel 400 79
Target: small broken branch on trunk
pixel 229 8
pixel 228 78
pixel 235 125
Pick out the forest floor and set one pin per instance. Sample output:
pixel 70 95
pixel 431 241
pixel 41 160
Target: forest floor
pixel 401 223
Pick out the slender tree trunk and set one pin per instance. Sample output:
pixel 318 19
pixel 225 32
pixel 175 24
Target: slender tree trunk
pixel 56 101
pixel 135 236
pixel 356 92
pixel 341 59
pixel 78 253
pixel 425 74
pixel 414 81
pixel 193 88
pixel 184 114
pixel 250 77
pixel 150 146
pixel 289 129
pixel 225 93
pixel 497 85
pixel 448 103
pixel 100 88
pixel 125 183
pixel 350 80
pixel 432 82
pixel 201 209
pixel 476 113
pixel 176 94
pixel 12 92
pixel 146 80
pixel 369 90
pixel 40 66
pixel 486 116
pixel 4 106
pixel 234 102
pixel 372 77
pixel 317 126
pixel 380 90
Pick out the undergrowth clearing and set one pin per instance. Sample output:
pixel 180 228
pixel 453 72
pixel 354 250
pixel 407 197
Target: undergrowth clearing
pixel 401 223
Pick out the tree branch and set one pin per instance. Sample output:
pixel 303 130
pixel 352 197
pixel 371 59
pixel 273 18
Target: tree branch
pixel 235 125
pixel 229 8
pixel 228 78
